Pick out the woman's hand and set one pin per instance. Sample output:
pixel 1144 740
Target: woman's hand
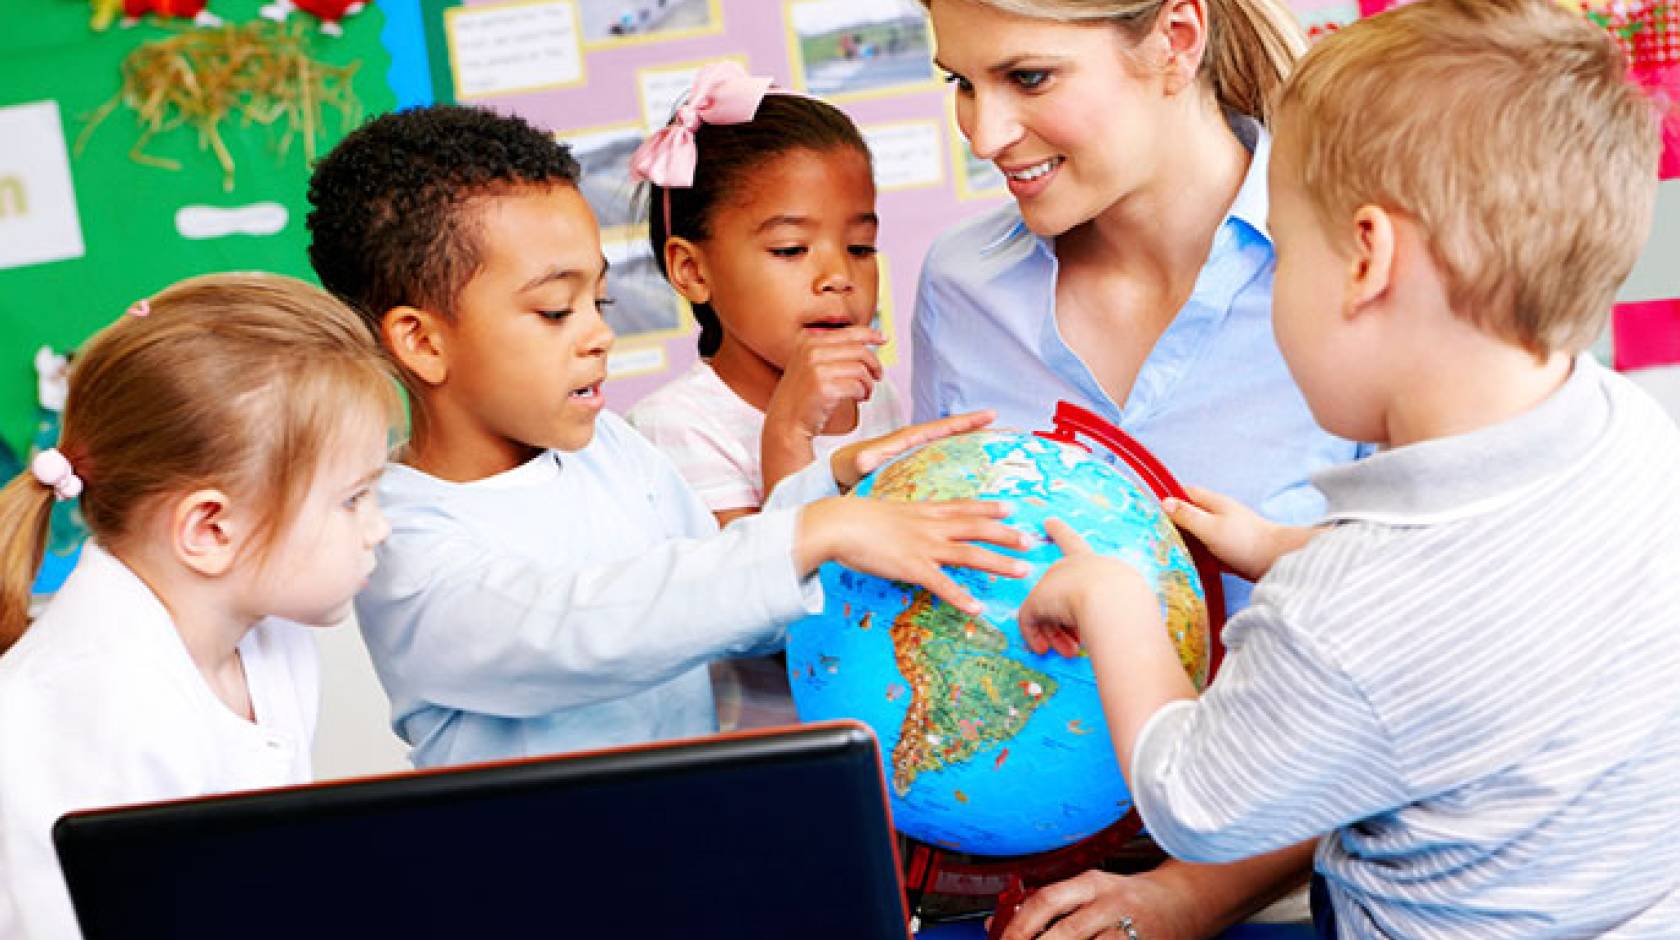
pixel 1177 901
pixel 1090 906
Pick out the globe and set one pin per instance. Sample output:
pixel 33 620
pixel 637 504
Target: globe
pixel 989 748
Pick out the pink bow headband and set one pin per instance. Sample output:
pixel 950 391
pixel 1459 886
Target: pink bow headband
pixel 723 93
pixel 53 469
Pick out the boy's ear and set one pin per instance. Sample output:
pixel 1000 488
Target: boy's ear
pixel 204 533
pixel 1371 269
pixel 416 338
pixel 685 267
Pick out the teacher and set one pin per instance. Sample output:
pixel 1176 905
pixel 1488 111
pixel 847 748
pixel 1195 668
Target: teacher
pixel 1132 275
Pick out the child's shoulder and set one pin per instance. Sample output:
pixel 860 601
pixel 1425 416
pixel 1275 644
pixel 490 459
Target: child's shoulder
pixel 697 392
pixel 696 402
pixel 616 441
pixel 104 652
pixel 1641 417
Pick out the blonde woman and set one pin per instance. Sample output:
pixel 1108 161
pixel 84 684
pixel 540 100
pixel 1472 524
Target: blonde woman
pixel 1132 275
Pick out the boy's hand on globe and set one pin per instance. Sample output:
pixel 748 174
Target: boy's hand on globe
pixel 1082 590
pixel 1243 541
pixel 910 541
pixel 856 461
pixel 828 369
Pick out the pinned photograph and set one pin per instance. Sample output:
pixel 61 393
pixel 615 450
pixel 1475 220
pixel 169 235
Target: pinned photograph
pixel 905 154
pixel 614 22
pixel 644 305
pixel 856 47
pixel 603 154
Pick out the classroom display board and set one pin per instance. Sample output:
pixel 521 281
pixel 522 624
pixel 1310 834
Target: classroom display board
pixel 115 181
pixel 132 156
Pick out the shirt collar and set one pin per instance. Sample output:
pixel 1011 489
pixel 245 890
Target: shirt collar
pixel 401 480
pixel 1253 201
pixel 1471 474
pixel 1250 206
pixel 118 582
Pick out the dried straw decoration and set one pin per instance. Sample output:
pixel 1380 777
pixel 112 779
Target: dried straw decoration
pixel 260 71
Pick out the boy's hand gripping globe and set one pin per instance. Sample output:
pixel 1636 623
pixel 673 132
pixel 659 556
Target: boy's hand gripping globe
pixel 989 748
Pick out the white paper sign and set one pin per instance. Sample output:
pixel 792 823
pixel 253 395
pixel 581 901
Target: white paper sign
pixel 513 47
pixel 38 217
pixel 636 360
pixel 905 155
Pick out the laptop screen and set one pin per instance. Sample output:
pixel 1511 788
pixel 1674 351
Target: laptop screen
pixel 770 834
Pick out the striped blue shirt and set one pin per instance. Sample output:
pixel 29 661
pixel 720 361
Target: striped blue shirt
pixel 1469 682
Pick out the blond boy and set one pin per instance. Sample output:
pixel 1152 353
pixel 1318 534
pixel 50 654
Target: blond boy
pixel 1465 675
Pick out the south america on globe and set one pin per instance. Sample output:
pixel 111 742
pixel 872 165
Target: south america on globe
pixel 991 749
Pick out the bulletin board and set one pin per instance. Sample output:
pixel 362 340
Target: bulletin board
pixel 86 228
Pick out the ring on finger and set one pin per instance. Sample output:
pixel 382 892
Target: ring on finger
pixel 1127 929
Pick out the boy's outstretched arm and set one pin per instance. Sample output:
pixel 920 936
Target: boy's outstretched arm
pixel 910 541
pixel 1106 606
pixel 457 621
pixel 1243 541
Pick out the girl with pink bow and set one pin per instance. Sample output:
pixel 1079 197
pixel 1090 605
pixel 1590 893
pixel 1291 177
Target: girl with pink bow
pixel 761 207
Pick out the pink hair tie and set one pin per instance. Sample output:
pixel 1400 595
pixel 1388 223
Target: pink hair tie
pixel 140 308
pixel 52 468
pixel 723 93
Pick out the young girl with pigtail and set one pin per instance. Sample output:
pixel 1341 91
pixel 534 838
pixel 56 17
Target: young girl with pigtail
pixel 223 438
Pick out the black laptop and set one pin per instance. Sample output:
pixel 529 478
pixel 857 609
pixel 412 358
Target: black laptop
pixel 784 833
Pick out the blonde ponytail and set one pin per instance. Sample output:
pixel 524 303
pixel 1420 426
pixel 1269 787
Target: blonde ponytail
pixel 25 511
pixel 1252 47
pixel 237 381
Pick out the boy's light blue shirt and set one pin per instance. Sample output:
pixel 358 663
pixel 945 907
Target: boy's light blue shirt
pixel 1214 399
pixel 572 602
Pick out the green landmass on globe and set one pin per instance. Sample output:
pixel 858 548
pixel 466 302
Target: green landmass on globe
pixel 990 748
pixel 965 693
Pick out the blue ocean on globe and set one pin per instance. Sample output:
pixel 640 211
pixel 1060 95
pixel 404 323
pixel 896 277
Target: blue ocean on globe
pixel 990 749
